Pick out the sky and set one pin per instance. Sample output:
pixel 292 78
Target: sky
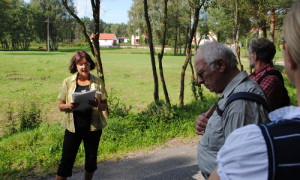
pixel 111 11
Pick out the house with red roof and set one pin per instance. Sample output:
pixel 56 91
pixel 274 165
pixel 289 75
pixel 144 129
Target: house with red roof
pixel 107 39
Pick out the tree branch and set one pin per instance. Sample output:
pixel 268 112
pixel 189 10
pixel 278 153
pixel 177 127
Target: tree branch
pixel 65 3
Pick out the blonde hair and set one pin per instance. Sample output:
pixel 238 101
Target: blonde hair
pixel 292 29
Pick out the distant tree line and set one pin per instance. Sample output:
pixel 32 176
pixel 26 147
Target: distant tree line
pixel 24 23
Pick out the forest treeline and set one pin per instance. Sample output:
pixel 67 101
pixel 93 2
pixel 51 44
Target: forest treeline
pixel 230 20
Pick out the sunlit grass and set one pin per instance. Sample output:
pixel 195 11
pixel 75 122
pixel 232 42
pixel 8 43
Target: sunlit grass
pixel 37 76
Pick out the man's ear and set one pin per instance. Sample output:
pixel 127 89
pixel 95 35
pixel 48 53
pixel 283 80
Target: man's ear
pixel 220 65
pixel 254 56
pixel 290 61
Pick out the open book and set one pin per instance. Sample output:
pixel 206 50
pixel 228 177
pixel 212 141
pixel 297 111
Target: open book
pixel 83 98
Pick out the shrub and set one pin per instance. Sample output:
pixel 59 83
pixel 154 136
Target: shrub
pixel 29 116
pixel 116 108
pixel 11 126
pixel 160 110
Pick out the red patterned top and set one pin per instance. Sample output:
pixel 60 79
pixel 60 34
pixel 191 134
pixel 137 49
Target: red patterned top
pixel 271 84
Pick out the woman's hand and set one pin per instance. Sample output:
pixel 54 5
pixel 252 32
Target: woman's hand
pixel 72 105
pixel 63 106
pixel 102 106
pixel 94 102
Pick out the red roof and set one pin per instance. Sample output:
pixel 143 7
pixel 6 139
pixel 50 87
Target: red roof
pixel 104 36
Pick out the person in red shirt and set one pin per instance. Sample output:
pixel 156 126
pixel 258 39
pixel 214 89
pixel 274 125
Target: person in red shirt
pixel 261 54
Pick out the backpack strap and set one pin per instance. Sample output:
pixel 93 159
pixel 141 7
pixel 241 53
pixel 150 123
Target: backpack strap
pixel 246 96
pixel 285 97
pixel 270 72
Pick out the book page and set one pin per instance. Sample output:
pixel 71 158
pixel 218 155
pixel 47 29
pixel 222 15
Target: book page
pixel 83 99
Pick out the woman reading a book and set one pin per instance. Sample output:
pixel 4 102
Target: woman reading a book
pixel 81 124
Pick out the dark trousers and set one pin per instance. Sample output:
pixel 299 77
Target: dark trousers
pixel 70 148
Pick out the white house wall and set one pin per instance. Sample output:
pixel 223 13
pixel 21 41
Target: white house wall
pixel 106 42
pixel 134 38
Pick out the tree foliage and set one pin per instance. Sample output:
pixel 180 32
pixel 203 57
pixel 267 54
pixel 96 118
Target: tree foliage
pixel 16 35
pixel 61 25
pixel 176 21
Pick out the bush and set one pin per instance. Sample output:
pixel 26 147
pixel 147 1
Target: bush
pixel 29 116
pixel 11 126
pixel 116 108
pixel 160 110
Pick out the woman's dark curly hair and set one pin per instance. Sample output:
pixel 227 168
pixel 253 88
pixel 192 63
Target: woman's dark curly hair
pixel 77 57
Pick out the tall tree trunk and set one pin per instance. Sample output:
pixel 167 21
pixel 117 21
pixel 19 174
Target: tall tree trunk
pixel 150 41
pixel 272 24
pixel 179 40
pixel 236 33
pixel 96 16
pixel 197 8
pixel 193 80
pixel 161 54
pixel 195 43
pixel 188 30
pixel 175 42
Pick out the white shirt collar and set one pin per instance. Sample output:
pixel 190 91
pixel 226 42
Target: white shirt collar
pixel 288 112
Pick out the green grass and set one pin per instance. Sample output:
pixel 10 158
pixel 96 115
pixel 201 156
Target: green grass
pixel 37 76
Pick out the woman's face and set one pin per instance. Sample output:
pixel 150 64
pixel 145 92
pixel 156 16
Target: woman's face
pixel 286 63
pixel 83 67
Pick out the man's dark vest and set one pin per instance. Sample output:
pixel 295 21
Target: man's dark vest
pixel 285 97
pixel 283 144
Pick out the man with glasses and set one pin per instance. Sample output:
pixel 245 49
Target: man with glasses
pixel 216 67
pixel 261 54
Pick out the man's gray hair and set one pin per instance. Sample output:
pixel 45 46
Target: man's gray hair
pixel 213 51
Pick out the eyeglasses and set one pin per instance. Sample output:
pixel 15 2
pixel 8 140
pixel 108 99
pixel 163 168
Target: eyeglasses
pixel 282 45
pixel 200 73
pixel 84 64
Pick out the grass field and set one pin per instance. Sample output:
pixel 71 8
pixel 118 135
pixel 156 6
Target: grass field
pixel 37 76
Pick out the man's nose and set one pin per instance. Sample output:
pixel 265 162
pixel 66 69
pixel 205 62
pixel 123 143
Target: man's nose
pixel 200 80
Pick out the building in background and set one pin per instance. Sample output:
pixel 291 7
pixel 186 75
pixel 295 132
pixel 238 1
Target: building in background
pixel 123 39
pixel 107 39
